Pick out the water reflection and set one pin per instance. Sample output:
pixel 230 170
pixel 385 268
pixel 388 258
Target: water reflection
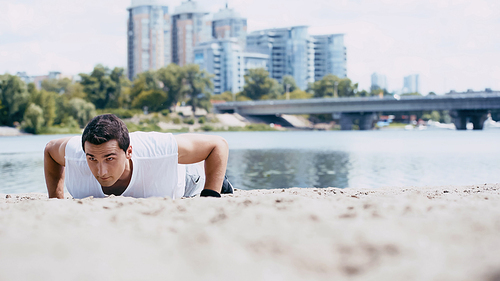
pixel 257 169
pixel 358 159
pixel 21 172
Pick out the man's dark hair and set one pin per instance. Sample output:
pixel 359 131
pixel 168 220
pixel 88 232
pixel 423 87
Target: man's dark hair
pixel 104 128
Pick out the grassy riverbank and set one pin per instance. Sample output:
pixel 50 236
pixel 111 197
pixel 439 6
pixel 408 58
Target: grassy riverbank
pixel 171 123
pixel 179 123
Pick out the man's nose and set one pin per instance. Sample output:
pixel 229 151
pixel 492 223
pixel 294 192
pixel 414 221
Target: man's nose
pixel 102 169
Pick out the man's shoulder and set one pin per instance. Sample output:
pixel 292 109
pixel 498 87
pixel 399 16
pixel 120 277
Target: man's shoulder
pixel 73 148
pixel 149 134
pixel 57 149
pixel 151 138
pixel 151 144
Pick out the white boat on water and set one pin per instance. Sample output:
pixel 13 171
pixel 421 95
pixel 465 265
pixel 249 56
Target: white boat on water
pixel 490 124
pixel 409 127
pixel 435 125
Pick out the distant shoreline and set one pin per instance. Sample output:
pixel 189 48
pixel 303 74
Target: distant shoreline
pixel 10 131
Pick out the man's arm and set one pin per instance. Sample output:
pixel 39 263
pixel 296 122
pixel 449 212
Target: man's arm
pixel 53 164
pixel 193 148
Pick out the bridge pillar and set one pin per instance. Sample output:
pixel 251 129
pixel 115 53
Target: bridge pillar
pixel 366 120
pixel 476 117
pixel 346 120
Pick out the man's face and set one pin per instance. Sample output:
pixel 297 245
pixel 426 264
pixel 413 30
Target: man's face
pixel 107 161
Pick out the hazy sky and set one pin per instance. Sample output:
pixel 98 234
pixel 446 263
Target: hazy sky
pixel 452 44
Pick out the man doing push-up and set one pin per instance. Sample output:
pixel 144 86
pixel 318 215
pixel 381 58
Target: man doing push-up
pixel 107 159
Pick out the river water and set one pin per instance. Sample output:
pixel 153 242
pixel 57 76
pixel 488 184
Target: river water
pixel 368 159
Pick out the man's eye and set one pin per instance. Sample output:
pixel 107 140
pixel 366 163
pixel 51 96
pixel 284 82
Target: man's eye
pixel 110 158
pixel 91 159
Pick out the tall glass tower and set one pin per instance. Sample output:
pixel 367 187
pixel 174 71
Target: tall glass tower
pixel 290 50
pixel 148 35
pixel 411 84
pixel 227 23
pixel 190 26
pixel 225 60
pixel 379 81
pixel 329 56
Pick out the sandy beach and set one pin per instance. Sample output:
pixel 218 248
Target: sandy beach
pixel 414 233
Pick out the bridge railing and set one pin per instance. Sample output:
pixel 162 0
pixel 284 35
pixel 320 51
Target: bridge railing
pixel 462 106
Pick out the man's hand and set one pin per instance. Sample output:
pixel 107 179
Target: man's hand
pixel 194 148
pixel 53 164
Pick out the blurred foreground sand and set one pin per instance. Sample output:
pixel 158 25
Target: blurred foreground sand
pixel 414 233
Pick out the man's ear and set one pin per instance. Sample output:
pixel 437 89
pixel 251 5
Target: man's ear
pixel 128 153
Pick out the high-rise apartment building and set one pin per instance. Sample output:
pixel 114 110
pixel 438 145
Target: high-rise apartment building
pixel 227 23
pixel 191 25
pixel 38 79
pixel 290 50
pixel 148 36
pixel 255 60
pixel 411 84
pixel 379 81
pixel 225 60
pixel 329 56
pixel 220 44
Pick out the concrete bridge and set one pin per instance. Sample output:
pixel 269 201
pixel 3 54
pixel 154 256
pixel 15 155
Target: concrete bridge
pixel 463 107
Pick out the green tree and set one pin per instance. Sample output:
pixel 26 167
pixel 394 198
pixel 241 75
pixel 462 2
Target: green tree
pixel 171 82
pixel 47 102
pixel 120 81
pixel 54 99
pixel 258 85
pixel 288 80
pixel 364 93
pixel 226 96
pixel 375 91
pixel 63 109
pixel 33 119
pixel 81 111
pixel 146 91
pixel 412 94
pixel 56 85
pixel 347 88
pixel 125 99
pixel 144 81
pixel 50 85
pixel 103 87
pixel 297 94
pixel 75 90
pixel 434 116
pixel 153 99
pixel 197 85
pixel 241 97
pixel 14 98
pixel 32 89
pixel 326 87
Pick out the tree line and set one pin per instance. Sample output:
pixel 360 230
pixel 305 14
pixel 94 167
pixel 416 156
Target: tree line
pixel 64 106
pixel 259 86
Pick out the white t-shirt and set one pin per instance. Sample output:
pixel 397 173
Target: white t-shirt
pixel 155 173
